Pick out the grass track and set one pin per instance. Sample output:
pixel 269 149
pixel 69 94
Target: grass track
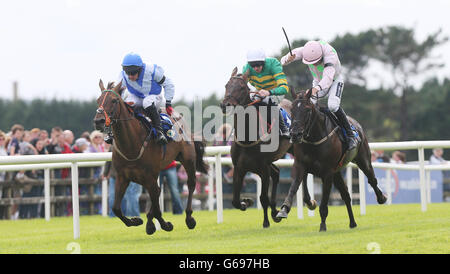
pixel 394 229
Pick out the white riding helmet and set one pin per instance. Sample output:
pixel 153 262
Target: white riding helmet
pixel 312 52
pixel 256 55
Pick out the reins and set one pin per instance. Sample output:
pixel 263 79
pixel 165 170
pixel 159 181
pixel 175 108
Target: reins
pixel 109 120
pixel 270 125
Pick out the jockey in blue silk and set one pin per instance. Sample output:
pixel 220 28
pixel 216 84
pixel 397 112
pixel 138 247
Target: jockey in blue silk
pixel 144 83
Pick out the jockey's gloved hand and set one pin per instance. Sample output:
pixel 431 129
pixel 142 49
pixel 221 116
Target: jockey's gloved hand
pixel 169 108
pixel 263 93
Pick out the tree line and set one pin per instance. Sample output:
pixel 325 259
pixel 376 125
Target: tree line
pixel 398 110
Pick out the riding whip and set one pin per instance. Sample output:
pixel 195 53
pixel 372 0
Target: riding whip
pixel 287 39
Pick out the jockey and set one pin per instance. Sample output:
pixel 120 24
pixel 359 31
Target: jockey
pixel 323 62
pixel 266 76
pixel 144 83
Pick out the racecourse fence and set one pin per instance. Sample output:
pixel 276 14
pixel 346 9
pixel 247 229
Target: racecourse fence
pixel 74 161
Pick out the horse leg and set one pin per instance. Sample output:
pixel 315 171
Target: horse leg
pixel 264 198
pixel 345 195
pixel 119 191
pixel 189 166
pixel 363 161
pixel 155 211
pixel 323 209
pixel 299 174
pixel 238 179
pixel 310 204
pixel 275 175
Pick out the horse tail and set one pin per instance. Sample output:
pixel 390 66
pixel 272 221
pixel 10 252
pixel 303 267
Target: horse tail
pixel 199 152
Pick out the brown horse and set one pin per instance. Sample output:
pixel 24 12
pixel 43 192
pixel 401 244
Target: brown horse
pixel 139 159
pixel 318 150
pixel 247 155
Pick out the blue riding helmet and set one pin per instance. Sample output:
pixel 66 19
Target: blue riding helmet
pixel 132 59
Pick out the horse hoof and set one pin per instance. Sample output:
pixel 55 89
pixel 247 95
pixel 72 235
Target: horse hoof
pixel 313 205
pixel 136 221
pixel 243 206
pixel 150 229
pixel 275 218
pixel 191 223
pixel 323 228
pixel 266 224
pixel 381 200
pixel 352 225
pixel 167 227
pixel 282 213
pixel 245 203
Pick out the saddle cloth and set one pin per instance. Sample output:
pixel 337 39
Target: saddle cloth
pixel 286 117
pixel 166 125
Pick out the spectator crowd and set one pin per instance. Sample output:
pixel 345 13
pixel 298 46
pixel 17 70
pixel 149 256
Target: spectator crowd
pixel 21 141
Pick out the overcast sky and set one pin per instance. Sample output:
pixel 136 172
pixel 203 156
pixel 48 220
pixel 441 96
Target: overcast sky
pixel 61 48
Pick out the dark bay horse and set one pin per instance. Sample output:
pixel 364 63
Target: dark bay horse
pixel 139 159
pixel 247 155
pixel 318 150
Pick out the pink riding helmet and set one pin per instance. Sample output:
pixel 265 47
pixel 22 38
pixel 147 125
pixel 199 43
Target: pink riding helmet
pixel 312 52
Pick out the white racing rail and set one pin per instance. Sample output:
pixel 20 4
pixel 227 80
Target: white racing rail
pixel 53 161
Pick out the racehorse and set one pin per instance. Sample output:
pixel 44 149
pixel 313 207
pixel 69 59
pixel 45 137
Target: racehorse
pixel 139 159
pixel 247 155
pixel 318 149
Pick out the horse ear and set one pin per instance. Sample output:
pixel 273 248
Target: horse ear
pixel 308 94
pixel 234 73
pixel 246 74
pixel 293 94
pixel 102 87
pixel 118 88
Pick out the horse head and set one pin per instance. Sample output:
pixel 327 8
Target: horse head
pixel 109 103
pixel 302 115
pixel 237 93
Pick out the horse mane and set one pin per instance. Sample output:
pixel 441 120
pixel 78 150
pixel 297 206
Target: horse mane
pixel 110 85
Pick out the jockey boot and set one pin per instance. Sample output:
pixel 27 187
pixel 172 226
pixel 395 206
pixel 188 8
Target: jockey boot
pixel 153 114
pixel 283 127
pixel 351 139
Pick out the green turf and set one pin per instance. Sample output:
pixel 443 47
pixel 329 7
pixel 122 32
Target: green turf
pixel 384 229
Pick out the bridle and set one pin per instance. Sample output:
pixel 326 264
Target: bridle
pixel 308 127
pixel 110 118
pixel 241 99
pixel 247 93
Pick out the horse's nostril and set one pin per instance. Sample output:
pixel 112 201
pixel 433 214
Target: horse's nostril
pixel 99 121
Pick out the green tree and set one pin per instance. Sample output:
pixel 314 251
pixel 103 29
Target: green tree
pixel 406 59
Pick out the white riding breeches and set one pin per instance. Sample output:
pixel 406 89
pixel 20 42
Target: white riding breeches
pixel 334 94
pixel 136 101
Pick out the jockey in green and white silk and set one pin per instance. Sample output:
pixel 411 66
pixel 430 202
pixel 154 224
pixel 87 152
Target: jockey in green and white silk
pixel 266 76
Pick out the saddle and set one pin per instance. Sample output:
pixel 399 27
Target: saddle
pixel 166 124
